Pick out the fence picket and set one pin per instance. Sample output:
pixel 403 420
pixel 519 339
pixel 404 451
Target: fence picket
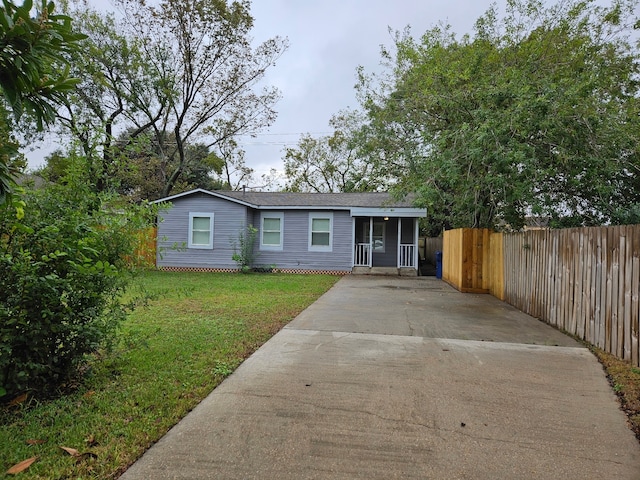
pixel 635 294
pixel 579 293
pixel 553 285
pixel 621 293
pixel 628 279
pixel 599 285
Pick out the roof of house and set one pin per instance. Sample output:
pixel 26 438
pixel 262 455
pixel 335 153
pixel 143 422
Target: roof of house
pixel 287 199
pixel 361 202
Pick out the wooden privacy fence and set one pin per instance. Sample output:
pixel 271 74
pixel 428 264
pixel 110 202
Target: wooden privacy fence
pixel 585 281
pixel 145 251
pixel 427 247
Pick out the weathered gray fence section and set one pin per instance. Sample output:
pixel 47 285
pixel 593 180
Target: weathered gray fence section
pixel 585 281
pixel 428 248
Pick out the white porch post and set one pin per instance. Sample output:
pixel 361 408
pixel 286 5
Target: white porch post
pixel 399 252
pixel 370 242
pixel 353 241
pixel 416 241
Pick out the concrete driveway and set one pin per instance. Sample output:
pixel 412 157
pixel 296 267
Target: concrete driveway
pixel 388 377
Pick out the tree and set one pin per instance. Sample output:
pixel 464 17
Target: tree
pixel 10 157
pixel 209 54
pixel 57 166
pixel 120 93
pixel 184 70
pixel 536 114
pixel 235 173
pixel 141 173
pixel 34 75
pixel 331 163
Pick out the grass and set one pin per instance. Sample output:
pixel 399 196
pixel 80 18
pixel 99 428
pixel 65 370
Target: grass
pixel 196 329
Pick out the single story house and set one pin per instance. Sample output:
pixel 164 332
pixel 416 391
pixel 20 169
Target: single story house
pixel 297 232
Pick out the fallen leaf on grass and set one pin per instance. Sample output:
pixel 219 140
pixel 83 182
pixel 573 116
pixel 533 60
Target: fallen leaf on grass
pixel 18 400
pixel 79 456
pixel 22 466
pixel 71 451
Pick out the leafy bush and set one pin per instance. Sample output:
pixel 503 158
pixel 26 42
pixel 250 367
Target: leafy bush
pixel 243 249
pixel 62 272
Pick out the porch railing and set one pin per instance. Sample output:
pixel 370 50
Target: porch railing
pixel 406 256
pixel 362 257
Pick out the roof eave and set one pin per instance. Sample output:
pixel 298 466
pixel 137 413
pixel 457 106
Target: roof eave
pixel 207 192
pixel 403 212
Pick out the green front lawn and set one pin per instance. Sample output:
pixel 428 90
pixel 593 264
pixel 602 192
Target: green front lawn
pixel 196 329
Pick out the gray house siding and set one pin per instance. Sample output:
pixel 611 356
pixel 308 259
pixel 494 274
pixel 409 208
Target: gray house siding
pixel 295 254
pixel 229 219
pixel 173 230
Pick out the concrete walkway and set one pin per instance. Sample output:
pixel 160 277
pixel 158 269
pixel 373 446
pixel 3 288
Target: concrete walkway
pixel 388 377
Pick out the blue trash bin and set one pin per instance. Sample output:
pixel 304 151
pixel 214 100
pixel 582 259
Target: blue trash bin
pixel 438 264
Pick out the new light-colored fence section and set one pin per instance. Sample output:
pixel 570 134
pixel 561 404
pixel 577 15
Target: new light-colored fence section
pixel 496 265
pixel 465 259
pixel 585 281
pixel 145 251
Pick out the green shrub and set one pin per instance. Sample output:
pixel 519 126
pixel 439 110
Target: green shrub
pixel 62 272
pixel 243 249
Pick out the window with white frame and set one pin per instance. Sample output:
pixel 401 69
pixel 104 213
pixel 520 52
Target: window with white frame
pixel 200 230
pixel 271 229
pixel 321 231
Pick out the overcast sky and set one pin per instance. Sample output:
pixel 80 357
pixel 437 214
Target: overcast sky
pixel 328 40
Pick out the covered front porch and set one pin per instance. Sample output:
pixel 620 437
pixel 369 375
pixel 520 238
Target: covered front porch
pixel 385 245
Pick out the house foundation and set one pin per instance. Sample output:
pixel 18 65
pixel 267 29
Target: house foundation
pixel 390 271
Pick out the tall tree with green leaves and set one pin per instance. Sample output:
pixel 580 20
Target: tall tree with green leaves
pixel 235 172
pixel 142 176
pixel 34 74
pixel 120 93
pixel 207 48
pixel 184 71
pixel 536 113
pixel 331 163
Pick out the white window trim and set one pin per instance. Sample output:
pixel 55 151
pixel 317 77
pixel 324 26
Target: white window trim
pixel 264 215
pixel 368 234
pixel 321 215
pixel 190 243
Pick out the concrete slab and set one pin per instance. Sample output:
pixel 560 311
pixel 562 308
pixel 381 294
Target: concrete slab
pixel 408 379
pixel 423 307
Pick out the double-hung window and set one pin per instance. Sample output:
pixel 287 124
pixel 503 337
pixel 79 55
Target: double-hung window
pixel 321 231
pixel 271 230
pixel 200 230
